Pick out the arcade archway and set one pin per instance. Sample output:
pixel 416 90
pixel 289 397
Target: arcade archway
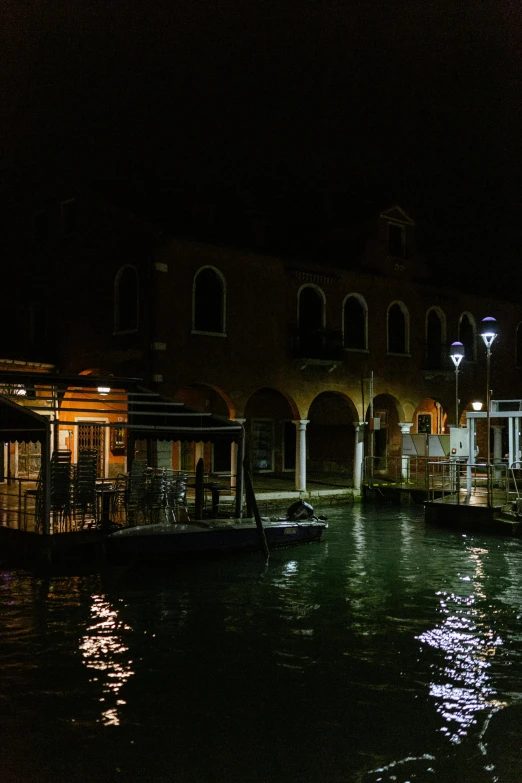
pixel 271 432
pixel 331 436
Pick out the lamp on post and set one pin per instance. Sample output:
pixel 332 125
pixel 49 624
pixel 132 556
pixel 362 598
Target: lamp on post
pixel 456 356
pixel 488 334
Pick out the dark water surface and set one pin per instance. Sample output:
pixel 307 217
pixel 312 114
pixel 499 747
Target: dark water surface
pixel 391 651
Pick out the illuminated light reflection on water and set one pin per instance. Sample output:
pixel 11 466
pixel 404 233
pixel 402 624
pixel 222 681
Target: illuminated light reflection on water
pixel 463 688
pixel 390 652
pixel 104 651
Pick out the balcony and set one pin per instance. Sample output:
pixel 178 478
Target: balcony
pixel 316 346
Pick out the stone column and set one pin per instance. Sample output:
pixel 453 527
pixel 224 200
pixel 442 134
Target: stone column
pixel 300 454
pixel 497 449
pixel 358 459
pixel 405 463
pixel 471 456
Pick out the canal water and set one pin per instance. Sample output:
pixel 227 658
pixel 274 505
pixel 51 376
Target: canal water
pixel 390 651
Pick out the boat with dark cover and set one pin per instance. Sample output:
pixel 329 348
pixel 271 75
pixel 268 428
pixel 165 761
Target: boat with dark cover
pixel 299 526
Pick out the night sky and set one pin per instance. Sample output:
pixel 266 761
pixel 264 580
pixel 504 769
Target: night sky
pixel 412 102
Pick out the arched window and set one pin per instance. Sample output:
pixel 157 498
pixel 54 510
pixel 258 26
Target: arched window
pixel 209 301
pixel 354 322
pixel 126 300
pixel 467 336
pixel 434 338
pixel 311 309
pixel 519 345
pixel 398 337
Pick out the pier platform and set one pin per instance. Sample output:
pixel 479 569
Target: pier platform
pixel 470 513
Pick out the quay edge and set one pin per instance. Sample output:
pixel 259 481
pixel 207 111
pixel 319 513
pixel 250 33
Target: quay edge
pixel 477 519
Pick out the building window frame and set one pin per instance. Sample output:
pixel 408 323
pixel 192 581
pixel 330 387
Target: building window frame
pixel 222 332
pixel 391 243
pixel 473 324
pixel 322 296
pixel 404 310
pixel 364 307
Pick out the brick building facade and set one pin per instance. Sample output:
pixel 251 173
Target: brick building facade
pixel 304 352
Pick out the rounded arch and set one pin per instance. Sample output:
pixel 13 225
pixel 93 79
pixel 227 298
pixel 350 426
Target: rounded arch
pixel 126 299
pixel 468 335
pixel 435 332
pixel 355 322
pixel 429 417
pixel 331 435
pixel 398 328
pixel 271 431
pixel 327 397
pixel 311 307
pixel 209 292
pixel 383 435
pixel 466 406
pixel 206 397
pixel 386 402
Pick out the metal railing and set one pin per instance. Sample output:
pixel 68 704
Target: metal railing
pixel 478 484
pixel 411 472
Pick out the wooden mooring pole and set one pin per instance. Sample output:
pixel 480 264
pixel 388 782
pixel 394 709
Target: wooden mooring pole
pixel 252 502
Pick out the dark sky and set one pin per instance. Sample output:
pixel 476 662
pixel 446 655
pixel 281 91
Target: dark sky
pixel 417 101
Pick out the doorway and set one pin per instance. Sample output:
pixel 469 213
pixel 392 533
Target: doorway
pixel 92 436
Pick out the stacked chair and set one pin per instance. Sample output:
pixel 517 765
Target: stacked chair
pixel 136 494
pixel 61 490
pixel 84 499
pixel 156 495
pixel 176 509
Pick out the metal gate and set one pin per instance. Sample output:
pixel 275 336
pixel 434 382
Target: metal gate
pixel 92 436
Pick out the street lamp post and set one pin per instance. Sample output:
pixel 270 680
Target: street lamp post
pixel 488 334
pixel 456 356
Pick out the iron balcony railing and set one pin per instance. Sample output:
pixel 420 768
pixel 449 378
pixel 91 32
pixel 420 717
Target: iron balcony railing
pixel 320 344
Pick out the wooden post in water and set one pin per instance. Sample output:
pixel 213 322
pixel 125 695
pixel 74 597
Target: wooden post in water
pixel 251 500
pixel 198 503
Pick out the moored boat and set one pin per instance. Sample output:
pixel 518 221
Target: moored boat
pixel 213 536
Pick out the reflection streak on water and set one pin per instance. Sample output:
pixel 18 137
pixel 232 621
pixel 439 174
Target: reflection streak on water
pixel 295 607
pixel 462 687
pixel 104 651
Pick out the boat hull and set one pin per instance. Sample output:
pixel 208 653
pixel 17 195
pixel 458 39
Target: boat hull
pixel 160 541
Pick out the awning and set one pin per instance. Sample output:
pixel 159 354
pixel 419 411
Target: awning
pixel 21 424
pixel 146 415
pixel 159 418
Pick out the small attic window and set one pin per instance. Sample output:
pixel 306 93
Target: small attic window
pixel 396 240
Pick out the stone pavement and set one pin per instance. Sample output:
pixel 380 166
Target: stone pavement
pixel 274 493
